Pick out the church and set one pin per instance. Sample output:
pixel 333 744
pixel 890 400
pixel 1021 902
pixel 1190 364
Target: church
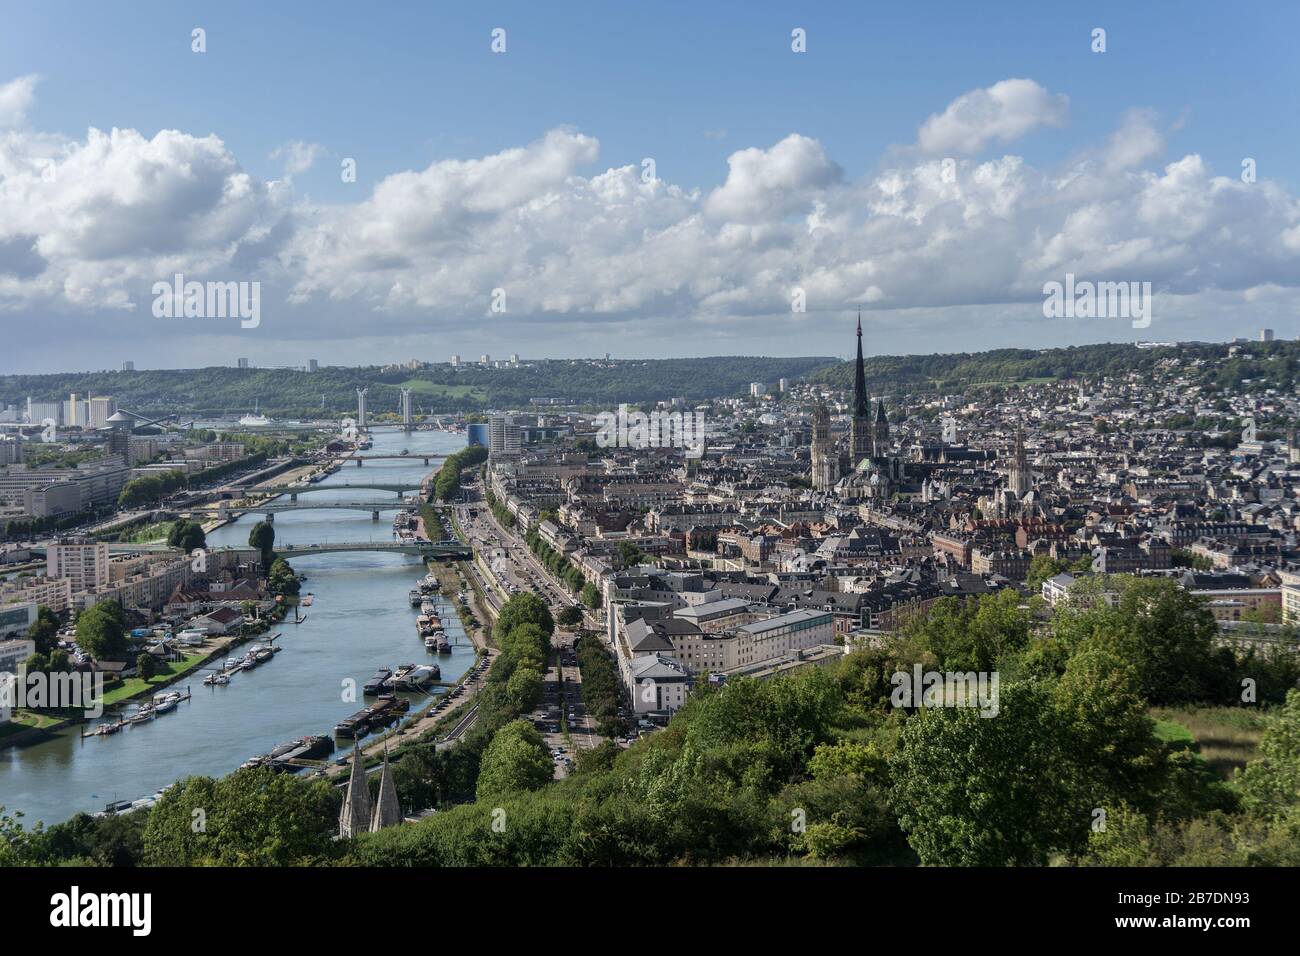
pixel 357 815
pixel 866 471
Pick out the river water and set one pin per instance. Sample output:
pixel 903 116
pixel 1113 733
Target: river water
pixel 360 620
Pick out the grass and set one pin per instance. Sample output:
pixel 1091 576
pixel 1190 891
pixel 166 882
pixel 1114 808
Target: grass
pixel 167 672
pixel 157 531
pixel 422 387
pixel 1227 737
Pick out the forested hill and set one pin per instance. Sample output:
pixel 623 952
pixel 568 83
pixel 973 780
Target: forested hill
pixel 438 388
pixel 1266 364
pixel 441 388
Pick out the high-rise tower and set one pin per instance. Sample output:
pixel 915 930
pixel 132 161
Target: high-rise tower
pixel 860 428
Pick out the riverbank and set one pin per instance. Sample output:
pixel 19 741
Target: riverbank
pixel 40 726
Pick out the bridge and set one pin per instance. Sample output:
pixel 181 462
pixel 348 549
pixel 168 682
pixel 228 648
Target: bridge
pixel 426 549
pixel 361 459
pixel 271 508
pixel 293 491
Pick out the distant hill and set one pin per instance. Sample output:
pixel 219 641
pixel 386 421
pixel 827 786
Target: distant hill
pixel 289 393
pixel 1264 364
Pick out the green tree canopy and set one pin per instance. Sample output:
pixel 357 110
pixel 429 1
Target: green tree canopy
pixel 515 760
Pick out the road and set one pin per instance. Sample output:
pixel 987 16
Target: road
pixel 561 717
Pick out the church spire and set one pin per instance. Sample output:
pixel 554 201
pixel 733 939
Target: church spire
pixel 354 815
pixel 860 406
pixel 387 811
pixel 860 425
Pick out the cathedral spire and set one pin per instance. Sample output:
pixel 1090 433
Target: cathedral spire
pixel 860 426
pixel 860 406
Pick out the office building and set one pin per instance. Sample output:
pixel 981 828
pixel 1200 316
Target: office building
pixel 361 407
pixel 128 366
pixel 241 363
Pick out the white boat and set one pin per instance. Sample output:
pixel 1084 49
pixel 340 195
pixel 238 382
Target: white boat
pixel 220 677
pixel 428 607
pixel 254 420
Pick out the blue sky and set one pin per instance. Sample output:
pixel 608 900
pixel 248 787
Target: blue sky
pixel 404 87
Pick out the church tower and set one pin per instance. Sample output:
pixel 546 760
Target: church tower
pixel 1020 479
pixel 825 463
pixel 880 432
pixel 860 428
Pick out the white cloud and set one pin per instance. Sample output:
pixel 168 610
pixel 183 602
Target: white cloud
pixel 762 183
pixel 298 156
pixel 1003 112
pixel 16 99
pixel 573 243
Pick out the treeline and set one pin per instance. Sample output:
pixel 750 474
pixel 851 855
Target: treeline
pixel 1265 364
pixel 291 393
pixel 447 485
pixel 600 686
pixel 564 570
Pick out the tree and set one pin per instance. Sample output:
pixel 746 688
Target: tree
pixel 570 616
pixel 524 689
pixel 146 665
pixel 44 630
pixel 1270 785
pixel 1043 566
pixel 262 537
pixel 255 817
pixel 514 761
pixel 281 578
pixel 101 631
pixel 1164 634
pixel 976 791
pixel 186 535
pixel 591 595
pixel 525 608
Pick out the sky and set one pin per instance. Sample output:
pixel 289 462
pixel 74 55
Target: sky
pixel 648 180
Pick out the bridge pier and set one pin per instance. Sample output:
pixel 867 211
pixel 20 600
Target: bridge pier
pixel 293 497
pixel 426 461
pixel 374 516
pixel 358 462
pixel 270 517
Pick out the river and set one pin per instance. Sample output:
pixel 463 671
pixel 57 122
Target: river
pixel 360 620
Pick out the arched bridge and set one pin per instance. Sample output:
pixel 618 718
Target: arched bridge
pixel 271 508
pixel 426 549
pixel 293 491
pixel 361 459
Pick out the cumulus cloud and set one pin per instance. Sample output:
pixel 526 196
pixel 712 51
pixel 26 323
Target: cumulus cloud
pixel 89 224
pixel 763 183
pixel 16 99
pixel 1002 112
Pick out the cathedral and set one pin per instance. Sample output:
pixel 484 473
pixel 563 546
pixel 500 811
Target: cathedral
pixel 867 470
